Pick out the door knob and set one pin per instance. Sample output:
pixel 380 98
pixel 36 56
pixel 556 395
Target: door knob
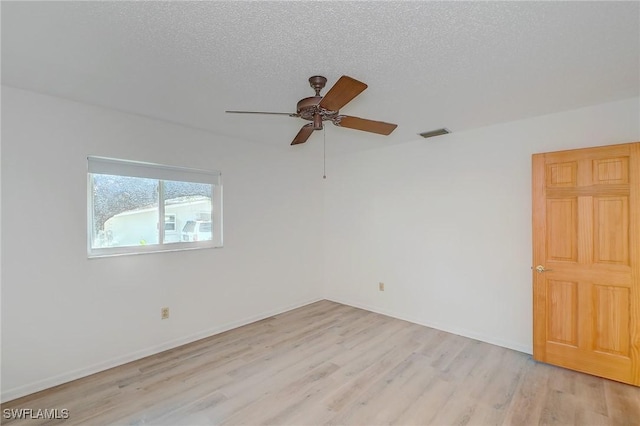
pixel 540 269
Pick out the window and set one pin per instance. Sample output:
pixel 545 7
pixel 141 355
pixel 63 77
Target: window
pixel 169 222
pixel 136 207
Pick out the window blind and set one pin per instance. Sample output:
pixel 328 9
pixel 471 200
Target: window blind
pixel 110 166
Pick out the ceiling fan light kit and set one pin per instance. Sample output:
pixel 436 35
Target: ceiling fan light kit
pixel 317 109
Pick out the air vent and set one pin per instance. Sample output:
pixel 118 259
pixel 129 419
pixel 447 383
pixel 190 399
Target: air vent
pixel 436 132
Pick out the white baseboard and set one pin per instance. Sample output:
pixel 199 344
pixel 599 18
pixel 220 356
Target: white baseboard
pixel 30 388
pixel 516 346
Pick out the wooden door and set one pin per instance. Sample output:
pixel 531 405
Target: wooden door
pixel 586 254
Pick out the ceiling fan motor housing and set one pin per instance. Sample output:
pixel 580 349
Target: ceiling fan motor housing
pixel 310 109
pixel 307 108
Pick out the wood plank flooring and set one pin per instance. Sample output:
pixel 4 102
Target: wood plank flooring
pixel 328 363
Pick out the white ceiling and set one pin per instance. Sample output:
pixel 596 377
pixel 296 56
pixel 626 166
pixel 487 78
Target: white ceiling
pixel 459 65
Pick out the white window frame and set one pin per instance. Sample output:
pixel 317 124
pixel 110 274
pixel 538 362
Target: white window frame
pixel 117 167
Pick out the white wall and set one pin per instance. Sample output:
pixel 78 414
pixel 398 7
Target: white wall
pixel 64 316
pixel 445 223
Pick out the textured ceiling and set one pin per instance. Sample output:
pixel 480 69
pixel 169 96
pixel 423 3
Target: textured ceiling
pixel 459 65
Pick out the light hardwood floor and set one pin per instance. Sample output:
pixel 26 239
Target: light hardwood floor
pixel 328 363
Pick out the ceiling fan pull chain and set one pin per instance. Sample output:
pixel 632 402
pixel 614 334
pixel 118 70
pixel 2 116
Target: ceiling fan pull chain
pixel 324 154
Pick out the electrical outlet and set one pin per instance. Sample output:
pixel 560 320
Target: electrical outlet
pixel 164 313
pixel 381 286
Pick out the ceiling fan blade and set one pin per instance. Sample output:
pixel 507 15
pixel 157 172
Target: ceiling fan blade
pixel 290 114
pixel 345 89
pixel 303 134
pixel 358 123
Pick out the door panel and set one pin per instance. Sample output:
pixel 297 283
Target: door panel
pixel 611 319
pixel 562 229
pixel 611 232
pixel 562 324
pixel 611 170
pixel 586 234
pixel 562 174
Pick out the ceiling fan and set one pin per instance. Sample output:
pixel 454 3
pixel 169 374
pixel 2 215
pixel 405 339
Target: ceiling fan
pixel 326 108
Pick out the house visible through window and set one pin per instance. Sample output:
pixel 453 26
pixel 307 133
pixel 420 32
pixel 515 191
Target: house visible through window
pixel 141 207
